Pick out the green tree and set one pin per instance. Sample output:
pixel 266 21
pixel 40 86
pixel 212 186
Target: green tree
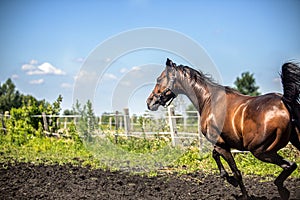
pixel 88 121
pixel 105 117
pixel 56 106
pixel 9 96
pixel 91 117
pixel 246 84
pixel 23 123
pixel 54 109
pixel 30 100
pixel 68 112
pixel 12 98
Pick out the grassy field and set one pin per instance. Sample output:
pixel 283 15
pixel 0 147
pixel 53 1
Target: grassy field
pixel 135 155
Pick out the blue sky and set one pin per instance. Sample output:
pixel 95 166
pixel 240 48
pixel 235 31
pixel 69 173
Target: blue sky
pixel 44 43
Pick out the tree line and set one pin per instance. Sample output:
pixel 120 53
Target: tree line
pixel 10 98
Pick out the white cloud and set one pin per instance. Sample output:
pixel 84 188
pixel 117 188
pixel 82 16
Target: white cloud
pixel 125 83
pixel 108 76
pixel 85 77
pixel 136 68
pixel 107 60
pixel 66 85
pixel 79 60
pixel 33 62
pixel 28 67
pixel 15 76
pixel 33 68
pixel 46 68
pixel 124 70
pixel 37 82
pixel 82 75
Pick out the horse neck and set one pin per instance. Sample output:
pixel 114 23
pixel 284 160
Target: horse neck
pixel 198 92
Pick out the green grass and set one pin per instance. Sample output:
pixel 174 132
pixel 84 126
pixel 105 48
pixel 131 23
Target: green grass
pixel 48 151
pixel 135 155
pixel 192 161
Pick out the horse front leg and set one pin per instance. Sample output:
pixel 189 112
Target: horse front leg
pixel 237 176
pixel 223 172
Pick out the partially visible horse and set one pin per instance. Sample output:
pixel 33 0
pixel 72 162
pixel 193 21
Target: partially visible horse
pixel 262 125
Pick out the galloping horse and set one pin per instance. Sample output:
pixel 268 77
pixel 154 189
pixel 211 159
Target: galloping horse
pixel 262 125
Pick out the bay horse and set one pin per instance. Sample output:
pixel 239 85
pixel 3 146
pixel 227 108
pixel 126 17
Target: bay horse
pixel 262 125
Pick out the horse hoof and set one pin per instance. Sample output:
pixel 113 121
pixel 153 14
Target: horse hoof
pixel 232 181
pixel 243 197
pixel 284 193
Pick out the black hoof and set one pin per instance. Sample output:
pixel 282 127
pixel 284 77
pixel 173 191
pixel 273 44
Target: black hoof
pixel 284 193
pixel 242 197
pixel 232 181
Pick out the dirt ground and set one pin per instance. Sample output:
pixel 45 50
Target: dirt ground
pixel 28 181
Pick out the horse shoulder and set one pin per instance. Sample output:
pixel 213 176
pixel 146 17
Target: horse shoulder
pixel 233 124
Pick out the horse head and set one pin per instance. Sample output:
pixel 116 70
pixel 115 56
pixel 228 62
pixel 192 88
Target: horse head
pixel 164 91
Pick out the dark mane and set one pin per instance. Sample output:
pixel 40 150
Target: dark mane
pixel 199 77
pixel 290 77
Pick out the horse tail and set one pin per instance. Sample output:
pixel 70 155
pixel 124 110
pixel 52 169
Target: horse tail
pixel 290 78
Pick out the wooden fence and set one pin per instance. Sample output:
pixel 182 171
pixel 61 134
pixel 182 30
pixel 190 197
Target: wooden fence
pixel 179 136
pixel 121 124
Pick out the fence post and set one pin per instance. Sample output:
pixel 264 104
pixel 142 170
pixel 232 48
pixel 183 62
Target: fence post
pixel 116 121
pixel 110 123
pixel 126 121
pixel 172 124
pixel 199 132
pixel 3 124
pixel 45 122
pixel 120 122
pixel 65 123
pixel 89 125
pixel 184 121
pixel 132 123
pixel 100 121
pixel 116 126
pixel 144 125
pixel 57 123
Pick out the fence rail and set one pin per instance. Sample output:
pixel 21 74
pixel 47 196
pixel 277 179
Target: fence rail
pixel 174 126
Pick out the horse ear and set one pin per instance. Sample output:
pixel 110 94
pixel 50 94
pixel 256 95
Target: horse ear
pixel 169 63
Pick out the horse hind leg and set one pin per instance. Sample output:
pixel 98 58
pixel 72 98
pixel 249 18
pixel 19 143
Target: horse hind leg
pixel 287 166
pixel 295 138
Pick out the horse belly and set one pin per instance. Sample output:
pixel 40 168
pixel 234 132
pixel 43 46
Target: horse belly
pixel 233 141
